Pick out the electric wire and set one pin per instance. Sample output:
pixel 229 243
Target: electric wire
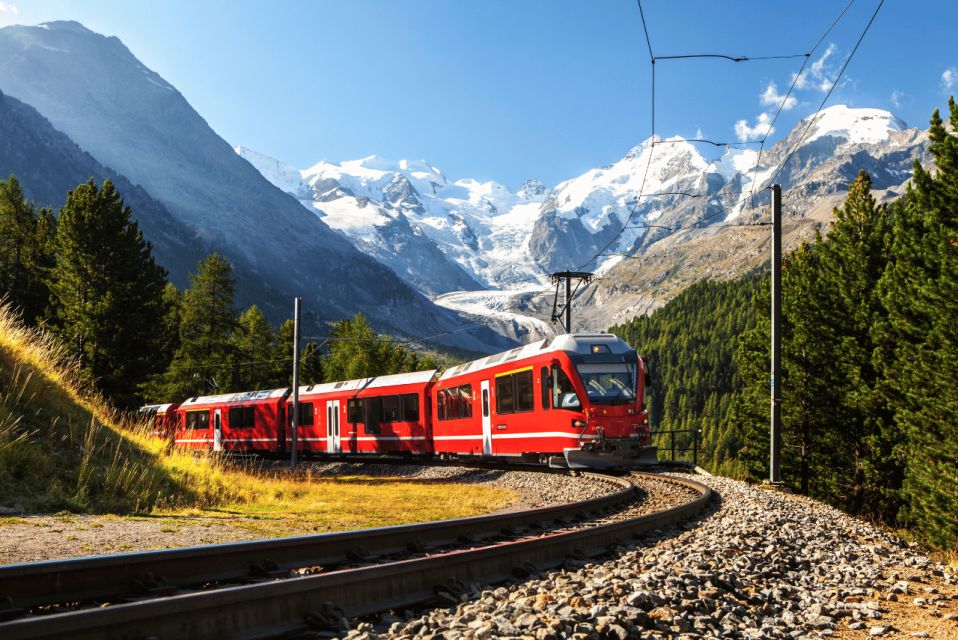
pixel 828 94
pixel 791 89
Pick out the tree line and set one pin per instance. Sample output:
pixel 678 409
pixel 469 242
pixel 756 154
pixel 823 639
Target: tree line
pixel 87 274
pixel 869 361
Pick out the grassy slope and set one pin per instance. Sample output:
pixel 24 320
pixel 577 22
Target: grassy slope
pixel 64 448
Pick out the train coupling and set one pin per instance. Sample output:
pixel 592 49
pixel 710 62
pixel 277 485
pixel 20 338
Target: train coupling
pixel 608 453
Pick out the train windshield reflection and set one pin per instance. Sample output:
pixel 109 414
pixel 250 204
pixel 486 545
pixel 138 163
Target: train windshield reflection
pixel 608 384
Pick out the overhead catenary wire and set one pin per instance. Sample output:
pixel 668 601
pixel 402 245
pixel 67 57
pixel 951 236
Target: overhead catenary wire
pixel 828 94
pixel 788 94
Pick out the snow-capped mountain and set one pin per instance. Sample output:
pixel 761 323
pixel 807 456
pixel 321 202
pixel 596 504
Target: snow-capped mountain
pixel 450 238
pixel 439 235
pixel 821 157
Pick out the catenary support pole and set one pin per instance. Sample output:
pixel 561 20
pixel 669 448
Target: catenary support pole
pixel 568 304
pixel 774 474
pixel 295 417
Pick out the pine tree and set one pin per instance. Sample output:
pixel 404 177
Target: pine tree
pixel 254 347
pixel 24 256
pixel 310 359
pixel 918 345
pixel 202 362
pixel 107 291
pixel 853 259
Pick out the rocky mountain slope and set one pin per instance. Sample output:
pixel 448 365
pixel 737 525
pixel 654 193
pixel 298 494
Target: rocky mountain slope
pixel 695 218
pixel 128 118
pixel 48 164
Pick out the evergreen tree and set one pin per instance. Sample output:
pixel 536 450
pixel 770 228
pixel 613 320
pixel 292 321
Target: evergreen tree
pixel 358 352
pixel 107 291
pixel 918 342
pixel 254 348
pixel 854 255
pixel 203 361
pixel 310 359
pixel 24 256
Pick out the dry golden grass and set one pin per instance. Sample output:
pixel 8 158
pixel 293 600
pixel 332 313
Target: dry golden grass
pixel 62 446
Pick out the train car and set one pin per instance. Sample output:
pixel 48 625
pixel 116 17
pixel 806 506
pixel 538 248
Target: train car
pixel 162 418
pixel 574 400
pixel 246 421
pixel 384 414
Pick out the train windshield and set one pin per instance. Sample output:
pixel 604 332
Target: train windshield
pixel 608 384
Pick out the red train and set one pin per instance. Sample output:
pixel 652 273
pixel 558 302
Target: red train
pixel 574 400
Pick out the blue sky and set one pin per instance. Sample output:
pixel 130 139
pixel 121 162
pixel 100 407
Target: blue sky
pixel 512 89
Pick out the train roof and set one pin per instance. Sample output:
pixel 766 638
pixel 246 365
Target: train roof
pixel 580 343
pixel 242 396
pixel 155 408
pixel 416 377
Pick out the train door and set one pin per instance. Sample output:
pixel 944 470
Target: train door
pixel 486 420
pixel 217 430
pixel 333 444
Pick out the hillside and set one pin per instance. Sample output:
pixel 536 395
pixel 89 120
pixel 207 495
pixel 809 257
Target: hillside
pixel 62 447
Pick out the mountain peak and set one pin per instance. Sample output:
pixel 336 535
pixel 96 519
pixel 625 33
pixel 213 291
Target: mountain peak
pixel 531 189
pixel 856 125
pixel 65 25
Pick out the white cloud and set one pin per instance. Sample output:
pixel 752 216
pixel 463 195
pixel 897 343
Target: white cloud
pixel 9 14
pixel 949 77
pixel 819 75
pixel 761 128
pixel 771 98
pixel 698 134
pixel 896 97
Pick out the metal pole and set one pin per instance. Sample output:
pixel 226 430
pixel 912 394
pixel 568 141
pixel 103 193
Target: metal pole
pixel 568 304
pixel 774 474
pixel 293 452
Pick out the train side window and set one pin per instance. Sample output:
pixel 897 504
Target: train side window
pixel 198 420
pixel 505 395
pixel 485 402
pixel 546 386
pixel 306 418
pixel 356 411
pixel 391 409
pixel 441 404
pixel 525 391
pixel 240 417
pixel 374 415
pixel 465 401
pixel 410 407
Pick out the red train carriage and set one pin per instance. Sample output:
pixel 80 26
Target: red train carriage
pixel 575 399
pixel 162 418
pixel 247 421
pixel 385 414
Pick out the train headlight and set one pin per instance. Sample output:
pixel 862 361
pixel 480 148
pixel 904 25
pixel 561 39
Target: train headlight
pixel 580 424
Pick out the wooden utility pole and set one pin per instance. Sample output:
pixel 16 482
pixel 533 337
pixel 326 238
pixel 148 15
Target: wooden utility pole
pixel 774 471
pixel 295 416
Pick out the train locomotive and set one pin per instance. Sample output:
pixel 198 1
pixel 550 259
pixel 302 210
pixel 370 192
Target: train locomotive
pixel 574 400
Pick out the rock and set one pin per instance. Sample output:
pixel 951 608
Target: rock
pixel 879 631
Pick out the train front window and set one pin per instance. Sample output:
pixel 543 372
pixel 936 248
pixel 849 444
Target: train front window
pixel 563 393
pixel 608 384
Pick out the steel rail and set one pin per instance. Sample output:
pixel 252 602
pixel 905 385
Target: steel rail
pixel 286 606
pixel 28 585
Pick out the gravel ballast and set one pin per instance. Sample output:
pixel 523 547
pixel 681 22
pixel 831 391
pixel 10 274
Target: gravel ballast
pixel 534 489
pixel 759 564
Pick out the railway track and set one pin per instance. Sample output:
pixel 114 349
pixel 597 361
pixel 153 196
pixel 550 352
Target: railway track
pixel 277 588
